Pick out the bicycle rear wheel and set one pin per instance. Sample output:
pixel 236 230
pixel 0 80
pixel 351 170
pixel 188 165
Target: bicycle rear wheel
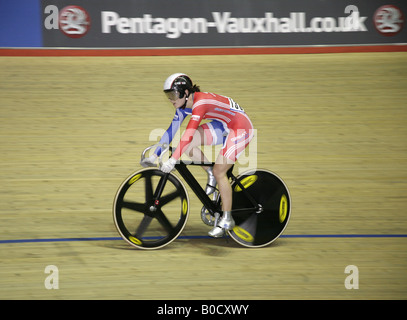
pixel 258 229
pixel 145 221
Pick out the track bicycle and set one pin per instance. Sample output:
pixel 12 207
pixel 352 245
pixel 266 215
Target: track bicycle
pixel 151 208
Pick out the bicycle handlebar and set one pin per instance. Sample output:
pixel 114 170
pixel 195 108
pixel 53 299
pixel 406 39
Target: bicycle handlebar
pixel 165 148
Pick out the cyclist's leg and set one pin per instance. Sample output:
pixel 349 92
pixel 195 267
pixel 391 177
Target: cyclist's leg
pixel 235 143
pixel 193 151
pixel 221 167
pixel 210 133
pixel 226 158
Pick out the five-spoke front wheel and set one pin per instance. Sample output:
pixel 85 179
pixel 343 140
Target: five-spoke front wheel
pixel 151 208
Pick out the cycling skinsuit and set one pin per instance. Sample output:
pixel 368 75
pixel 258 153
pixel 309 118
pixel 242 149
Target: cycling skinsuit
pixel 235 123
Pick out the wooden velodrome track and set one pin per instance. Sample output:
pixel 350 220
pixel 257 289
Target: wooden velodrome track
pixel 334 126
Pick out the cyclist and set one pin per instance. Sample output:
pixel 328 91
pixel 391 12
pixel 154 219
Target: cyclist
pixel 230 126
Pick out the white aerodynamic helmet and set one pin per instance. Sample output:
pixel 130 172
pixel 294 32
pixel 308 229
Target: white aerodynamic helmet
pixel 176 84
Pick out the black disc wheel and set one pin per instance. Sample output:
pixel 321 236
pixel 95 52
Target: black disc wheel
pixel 258 228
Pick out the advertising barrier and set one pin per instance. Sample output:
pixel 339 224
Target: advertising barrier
pixel 138 24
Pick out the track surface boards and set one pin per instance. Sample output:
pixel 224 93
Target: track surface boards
pixel 333 126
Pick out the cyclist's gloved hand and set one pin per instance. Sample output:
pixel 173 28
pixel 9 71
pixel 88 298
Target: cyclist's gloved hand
pixel 168 166
pixel 149 161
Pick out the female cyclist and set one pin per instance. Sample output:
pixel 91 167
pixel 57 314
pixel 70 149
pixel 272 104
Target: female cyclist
pixel 230 126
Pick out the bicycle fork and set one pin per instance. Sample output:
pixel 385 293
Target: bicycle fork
pixel 158 192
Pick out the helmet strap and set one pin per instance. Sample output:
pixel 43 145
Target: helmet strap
pixel 185 104
pixel 186 100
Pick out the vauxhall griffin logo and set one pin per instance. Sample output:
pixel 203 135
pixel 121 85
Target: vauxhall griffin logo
pixel 388 20
pixel 73 21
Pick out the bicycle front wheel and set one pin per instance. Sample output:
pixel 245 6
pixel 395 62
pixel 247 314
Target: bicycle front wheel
pixel 144 220
pixel 258 229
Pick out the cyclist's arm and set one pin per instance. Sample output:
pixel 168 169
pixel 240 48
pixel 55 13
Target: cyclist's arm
pixel 172 129
pixel 186 139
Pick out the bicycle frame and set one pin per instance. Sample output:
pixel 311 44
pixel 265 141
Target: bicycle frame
pixel 182 169
pixel 212 207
